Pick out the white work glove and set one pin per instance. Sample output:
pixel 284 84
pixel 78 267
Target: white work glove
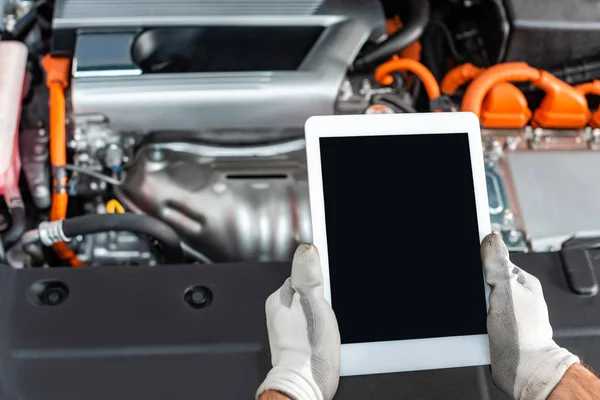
pixel 526 363
pixel 303 334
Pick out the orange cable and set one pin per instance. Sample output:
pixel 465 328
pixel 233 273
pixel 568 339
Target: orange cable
pixel 57 79
pixel 384 77
pixel 562 107
pixel 482 84
pixel 458 76
pixel 589 88
pixel 592 88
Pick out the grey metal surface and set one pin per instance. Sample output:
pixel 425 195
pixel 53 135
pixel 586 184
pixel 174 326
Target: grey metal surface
pixel 230 208
pixel 558 194
pixel 72 10
pixel 33 148
pixel 263 102
pixel 504 214
pixel 140 13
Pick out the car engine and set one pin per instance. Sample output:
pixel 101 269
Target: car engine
pixel 141 132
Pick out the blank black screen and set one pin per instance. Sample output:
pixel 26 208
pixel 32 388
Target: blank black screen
pixel 402 237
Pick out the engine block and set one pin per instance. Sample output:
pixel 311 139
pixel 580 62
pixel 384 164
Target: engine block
pixel 228 204
pixel 221 68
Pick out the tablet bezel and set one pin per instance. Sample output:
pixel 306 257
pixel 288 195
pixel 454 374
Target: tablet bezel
pixel 415 354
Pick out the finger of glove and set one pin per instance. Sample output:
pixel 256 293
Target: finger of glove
pixel 282 297
pixel 326 360
pixel 324 342
pixel 498 267
pixel 528 281
pixel 307 276
pixel 496 262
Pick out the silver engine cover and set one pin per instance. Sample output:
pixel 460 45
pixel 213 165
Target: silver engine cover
pixel 107 83
pixel 228 204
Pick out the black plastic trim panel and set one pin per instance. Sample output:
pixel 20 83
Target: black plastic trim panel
pixel 138 333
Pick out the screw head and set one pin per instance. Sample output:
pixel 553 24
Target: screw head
pixel 156 155
pixel 198 297
pixel 514 236
pixel 48 293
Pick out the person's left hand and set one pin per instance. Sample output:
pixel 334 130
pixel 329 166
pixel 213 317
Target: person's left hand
pixel 303 334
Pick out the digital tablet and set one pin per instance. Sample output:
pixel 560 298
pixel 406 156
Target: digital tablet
pixel 399 209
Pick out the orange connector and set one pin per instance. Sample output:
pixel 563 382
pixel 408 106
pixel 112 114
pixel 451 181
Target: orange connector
pixel 57 78
pixel 562 107
pixel 384 77
pixel 591 88
pixel 503 107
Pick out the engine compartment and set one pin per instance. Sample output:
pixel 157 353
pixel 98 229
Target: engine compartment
pixel 173 132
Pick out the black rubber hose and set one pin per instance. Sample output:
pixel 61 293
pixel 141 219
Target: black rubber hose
pixel 2 254
pixel 25 24
pixel 412 29
pixel 140 224
pixel 17 226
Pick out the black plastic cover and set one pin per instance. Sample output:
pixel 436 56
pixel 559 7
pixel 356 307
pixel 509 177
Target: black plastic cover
pixel 131 333
pixel 547 33
pixel 223 48
pixel 579 270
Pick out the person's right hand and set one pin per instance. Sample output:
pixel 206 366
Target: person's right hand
pixel 526 363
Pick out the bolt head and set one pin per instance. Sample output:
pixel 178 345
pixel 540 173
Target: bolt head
pixel 156 155
pixel 198 297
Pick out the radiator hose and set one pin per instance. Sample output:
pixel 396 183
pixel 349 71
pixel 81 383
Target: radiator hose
pixel 11 236
pixel 413 27
pixel 64 230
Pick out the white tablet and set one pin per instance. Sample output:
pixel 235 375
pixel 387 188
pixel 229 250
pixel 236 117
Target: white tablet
pixel 399 209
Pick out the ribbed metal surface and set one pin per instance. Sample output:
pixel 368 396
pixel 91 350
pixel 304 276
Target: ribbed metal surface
pixel 161 8
pixel 174 82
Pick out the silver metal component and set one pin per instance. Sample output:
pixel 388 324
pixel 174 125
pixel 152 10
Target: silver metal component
pixel 12 11
pixel 514 236
pixel 30 237
pixel 218 104
pixel 155 154
pixel 195 254
pixel 594 140
pixel 251 202
pixel 113 157
pixel 539 139
pixel 230 208
pixel 558 194
pixel 96 146
pixel 90 13
pixel 115 248
pixel 504 212
pixel 512 143
pixel 234 205
pixel 536 141
pixel 358 94
pixel 52 232
pixel 268 150
pixel 346 91
pixel 33 147
pixel 550 187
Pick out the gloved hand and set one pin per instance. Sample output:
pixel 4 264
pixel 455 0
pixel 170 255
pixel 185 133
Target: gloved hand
pixel 526 363
pixel 303 334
